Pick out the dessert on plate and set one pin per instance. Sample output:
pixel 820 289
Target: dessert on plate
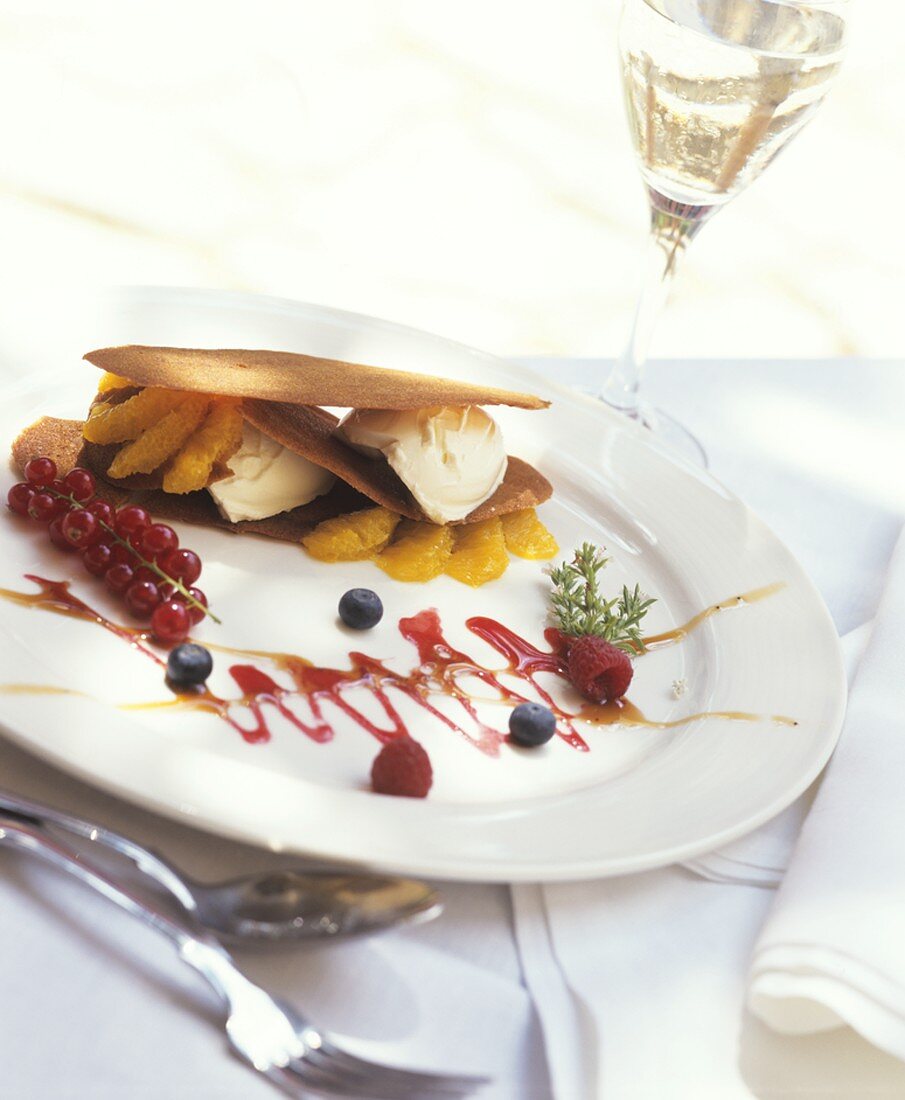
pixel 415 475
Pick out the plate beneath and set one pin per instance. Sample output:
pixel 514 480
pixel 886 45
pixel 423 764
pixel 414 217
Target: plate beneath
pixel 640 798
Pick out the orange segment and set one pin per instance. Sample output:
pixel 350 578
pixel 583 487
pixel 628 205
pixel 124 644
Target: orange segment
pixel 419 552
pixel 216 440
pixel 155 445
pixel 527 537
pixel 479 554
pixel 112 382
pixel 118 423
pixel 353 537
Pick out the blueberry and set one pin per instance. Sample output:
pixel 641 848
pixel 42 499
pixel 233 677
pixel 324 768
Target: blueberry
pixel 360 608
pixel 531 724
pixel 189 664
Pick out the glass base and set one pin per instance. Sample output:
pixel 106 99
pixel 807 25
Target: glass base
pixel 667 431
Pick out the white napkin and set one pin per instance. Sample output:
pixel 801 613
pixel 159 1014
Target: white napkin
pixel 641 990
pixel 833 951
pixel 641 994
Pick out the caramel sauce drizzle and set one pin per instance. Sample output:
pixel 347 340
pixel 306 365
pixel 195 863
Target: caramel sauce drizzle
pixel 622 712
pixel 55 596
pixel 679 633
pixel 439 673
pixel 39 689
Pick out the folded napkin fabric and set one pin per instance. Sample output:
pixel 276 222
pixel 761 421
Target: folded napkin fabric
pixel 641 988
pixel 833 949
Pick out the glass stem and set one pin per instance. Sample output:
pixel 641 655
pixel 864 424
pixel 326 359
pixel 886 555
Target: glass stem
pixel 673 225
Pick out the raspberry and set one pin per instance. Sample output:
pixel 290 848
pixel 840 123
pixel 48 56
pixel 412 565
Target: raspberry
pixel 402 767
pixel 600 671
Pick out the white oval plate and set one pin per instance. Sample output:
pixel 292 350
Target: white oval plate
pixel 639 799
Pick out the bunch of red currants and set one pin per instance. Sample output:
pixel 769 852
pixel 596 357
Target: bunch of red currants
pixel 138 559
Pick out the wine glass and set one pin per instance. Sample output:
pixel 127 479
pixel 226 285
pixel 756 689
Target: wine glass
pixel 714 90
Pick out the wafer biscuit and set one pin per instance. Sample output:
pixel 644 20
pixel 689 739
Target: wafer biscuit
pixel 299 379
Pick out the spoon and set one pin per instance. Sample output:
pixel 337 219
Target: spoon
pixel 298 905
pixel 268 907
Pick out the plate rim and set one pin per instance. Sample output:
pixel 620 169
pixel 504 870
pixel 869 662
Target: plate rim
pixel 494 869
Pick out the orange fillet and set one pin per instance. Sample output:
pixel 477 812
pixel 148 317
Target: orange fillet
pixel 419 552
pixel 218 438
pixel 479 554
pixel 158 443
pixel 119 423
pixel 355 536
pixel 527 537
pixel 112 382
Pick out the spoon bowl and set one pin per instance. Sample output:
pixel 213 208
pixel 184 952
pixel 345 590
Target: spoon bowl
pixel 306 905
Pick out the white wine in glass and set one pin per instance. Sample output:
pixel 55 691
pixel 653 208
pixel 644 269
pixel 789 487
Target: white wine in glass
pixel 714 90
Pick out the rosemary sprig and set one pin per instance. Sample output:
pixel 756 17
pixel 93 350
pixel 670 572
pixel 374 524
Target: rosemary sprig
pixel 580 608
pixel 152 565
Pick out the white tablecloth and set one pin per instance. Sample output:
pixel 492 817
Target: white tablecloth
pixel 94 1007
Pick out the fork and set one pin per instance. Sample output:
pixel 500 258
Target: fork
pixel 264 1031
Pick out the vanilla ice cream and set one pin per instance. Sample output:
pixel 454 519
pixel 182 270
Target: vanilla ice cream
pixel 451 459
pixel 267 479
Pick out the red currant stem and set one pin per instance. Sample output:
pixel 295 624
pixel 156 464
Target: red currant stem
pixel 152 565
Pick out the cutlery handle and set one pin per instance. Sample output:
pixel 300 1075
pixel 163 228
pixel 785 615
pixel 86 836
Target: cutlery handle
pixel 195 947
pixel 147 861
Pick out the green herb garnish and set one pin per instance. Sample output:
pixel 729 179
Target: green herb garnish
pixel 580 608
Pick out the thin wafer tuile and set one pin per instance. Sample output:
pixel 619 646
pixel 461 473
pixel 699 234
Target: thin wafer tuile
pixel 298 379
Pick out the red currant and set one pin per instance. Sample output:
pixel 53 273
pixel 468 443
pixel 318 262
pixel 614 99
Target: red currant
pixel 58 535
pixel 170 622
pixel 143 573
pixel 183 565
pixel 122 555
pixel 97 558
pixel 195 613
pixel 80 484
pixel 42 507
pixel 62 505
pixel 103 511
pixel 40 471
pixel 131 520
pixel 19 497
pixel 141 598
pixel 118 577
pixel 158 539
pixel 80 527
